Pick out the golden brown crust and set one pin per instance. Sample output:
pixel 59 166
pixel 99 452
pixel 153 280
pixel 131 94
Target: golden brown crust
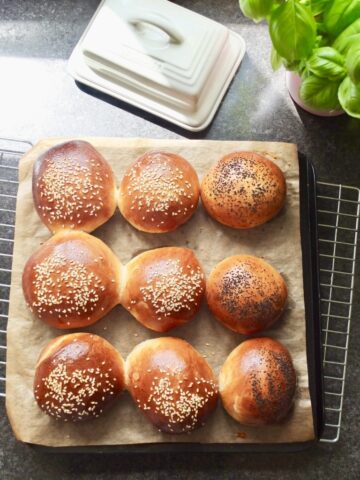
pixel 246 294
pixel 73 187
pixel 78 376
pixel 163 288
pixel 257 382
pixel 159 192
pixel 72 281
pixel 243 190
pixel 171 383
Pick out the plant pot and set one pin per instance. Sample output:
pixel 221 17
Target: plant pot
pixel 293 83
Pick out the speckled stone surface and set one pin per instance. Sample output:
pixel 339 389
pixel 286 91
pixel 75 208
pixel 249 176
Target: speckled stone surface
pixel 38 99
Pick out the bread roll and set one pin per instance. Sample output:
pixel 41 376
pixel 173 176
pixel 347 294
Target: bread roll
pixel 243 190
pixel 246 294
pixel 73 187
pixel 257 382
pixel 163 288
pixel 77 377
pixel 159 192
pixel 72 280
pixel 171 383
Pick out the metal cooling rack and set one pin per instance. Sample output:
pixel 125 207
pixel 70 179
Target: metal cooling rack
pixel 338 223
pixel 338 209
pixel 10 153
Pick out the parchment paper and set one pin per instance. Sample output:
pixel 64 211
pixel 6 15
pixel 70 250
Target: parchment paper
pixel 278 242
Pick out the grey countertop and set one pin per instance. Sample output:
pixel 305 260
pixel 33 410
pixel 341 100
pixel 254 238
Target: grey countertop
pixel 39 99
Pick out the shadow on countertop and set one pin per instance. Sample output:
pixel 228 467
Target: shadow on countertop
pixel 312 463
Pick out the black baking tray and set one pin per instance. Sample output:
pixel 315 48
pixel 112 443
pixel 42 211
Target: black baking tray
pixel 310 256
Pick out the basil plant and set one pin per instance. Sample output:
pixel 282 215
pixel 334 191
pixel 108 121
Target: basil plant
pixel 320 40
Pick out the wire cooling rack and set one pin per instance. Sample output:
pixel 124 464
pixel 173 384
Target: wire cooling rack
pixel 10 153
pixel 338 224
pixel 338 210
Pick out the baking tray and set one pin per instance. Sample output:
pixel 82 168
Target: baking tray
pixel 311 255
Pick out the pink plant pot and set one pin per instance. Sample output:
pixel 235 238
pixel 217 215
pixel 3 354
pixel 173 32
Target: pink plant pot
pixel 293 83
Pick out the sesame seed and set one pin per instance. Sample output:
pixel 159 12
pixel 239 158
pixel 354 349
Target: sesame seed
pixel 64 288
pixel 173 289
pixel 73 394
pixel 70 191
pixel 156 187
pixel 171 399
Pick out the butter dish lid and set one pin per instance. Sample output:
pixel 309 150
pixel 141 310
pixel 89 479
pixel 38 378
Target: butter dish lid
pixel 160 57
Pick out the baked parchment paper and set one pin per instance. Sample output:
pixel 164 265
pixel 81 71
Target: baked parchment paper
pixel 278 242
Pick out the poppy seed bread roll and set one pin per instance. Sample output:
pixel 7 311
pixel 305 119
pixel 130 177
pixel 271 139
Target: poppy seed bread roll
pixel 73 187
pixel 72 280
pixel 159 192
pixel 172 384
pixel 246 294
pixel 163 288
pixel 257 382
pixel 243 190
pixel 78 376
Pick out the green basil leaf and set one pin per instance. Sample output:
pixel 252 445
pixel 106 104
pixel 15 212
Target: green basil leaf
pixel 353 62
pixel 319 6
pixel 340 15
pixel 276 60
pixel 326 62
pixel 349 96
pixel 348 37
pixel 292 30
pixel 256 9
pixel 320 93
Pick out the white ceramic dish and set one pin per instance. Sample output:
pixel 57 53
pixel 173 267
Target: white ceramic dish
pixel 159 57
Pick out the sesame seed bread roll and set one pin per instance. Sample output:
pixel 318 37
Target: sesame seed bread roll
pixel 77 377
pixel 172 384
pixel 246 294
pixel 257 382
pixel 163 288
pixel 72 280
pixel 243 190
pixel 159 192
pixel 73 187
